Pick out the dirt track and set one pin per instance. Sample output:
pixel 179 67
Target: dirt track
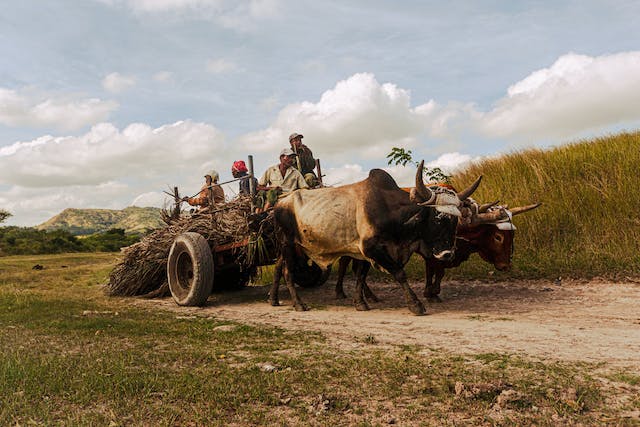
pixel 593 321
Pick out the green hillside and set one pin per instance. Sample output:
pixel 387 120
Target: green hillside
pixel 589 223
pixel 88 221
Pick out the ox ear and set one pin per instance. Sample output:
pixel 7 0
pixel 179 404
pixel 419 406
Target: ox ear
pixel 523 209
pixel 490 217
pixel 506 226
pixel 469 190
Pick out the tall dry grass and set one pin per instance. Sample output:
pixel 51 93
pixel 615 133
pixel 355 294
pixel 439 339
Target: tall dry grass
pixel 589 223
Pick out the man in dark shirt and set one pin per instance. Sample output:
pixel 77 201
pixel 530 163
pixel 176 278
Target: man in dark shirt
pixel 305 162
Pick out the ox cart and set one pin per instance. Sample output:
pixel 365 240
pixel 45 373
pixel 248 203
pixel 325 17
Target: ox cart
pixel 197 266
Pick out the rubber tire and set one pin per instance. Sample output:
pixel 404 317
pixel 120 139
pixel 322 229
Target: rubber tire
pixel 190 270
pixel 311 276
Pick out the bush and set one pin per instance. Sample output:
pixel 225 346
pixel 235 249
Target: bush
pixel 30 241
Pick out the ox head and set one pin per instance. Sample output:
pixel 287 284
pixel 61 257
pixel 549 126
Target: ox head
pixel 494 232
pixel 441 208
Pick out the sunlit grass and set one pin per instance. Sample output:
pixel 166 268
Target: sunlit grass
pixel 70 355
pixel 588 224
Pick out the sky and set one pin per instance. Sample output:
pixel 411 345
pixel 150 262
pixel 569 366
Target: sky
pixel 108 103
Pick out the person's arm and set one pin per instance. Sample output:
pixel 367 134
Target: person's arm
pixel 200 199
pixel 300 181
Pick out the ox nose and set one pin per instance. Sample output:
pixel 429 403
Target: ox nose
pixel 444 255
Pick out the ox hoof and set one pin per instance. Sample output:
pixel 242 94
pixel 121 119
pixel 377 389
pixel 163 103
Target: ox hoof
pixel 274 302
pixel 300 307
pixel 418 309
pixel 362 306
pixel 372 297
pixel 433 298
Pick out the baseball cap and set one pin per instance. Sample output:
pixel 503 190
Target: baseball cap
pixel 214 175
pixel 294 136
pixel 287 152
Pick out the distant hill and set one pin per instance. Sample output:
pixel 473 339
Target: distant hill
pixel 88 221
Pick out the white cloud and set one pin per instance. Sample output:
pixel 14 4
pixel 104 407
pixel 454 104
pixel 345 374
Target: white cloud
pixel 117 83
pixel 150 198
pixel 359 115
pixel 163 76
pixel 343 175
pixel 577 93
pixel 451 162
pixel 220 66
pixel 108 168
pixel 105 153
pixel 32 109
pixel 236 14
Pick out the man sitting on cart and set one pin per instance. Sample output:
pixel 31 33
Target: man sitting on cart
pixel 305 162
pixel 279 179
pixel 210 192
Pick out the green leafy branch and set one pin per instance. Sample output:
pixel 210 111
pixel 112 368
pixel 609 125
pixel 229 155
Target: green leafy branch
pixel 400 156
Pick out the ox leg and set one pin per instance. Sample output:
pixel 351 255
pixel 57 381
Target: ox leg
pixel 432 287
pixel 297 302
pixel 361 269
pixel 368 293
pixel 277 274
pixel 288 259
pixel 414 304
pixel 435 294
pixel 342 271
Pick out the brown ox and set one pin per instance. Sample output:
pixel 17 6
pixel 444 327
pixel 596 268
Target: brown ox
pixel 493 241
pixel 490 234
pixel 373 221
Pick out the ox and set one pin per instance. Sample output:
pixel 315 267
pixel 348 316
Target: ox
pixel 491 235
pixel 373 221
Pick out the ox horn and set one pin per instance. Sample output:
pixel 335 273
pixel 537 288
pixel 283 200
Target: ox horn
pixel 469 191
pixel 486 206
pixel 422 190
pixel 522 209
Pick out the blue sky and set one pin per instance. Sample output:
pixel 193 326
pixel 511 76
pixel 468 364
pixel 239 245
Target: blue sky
pixel 105 103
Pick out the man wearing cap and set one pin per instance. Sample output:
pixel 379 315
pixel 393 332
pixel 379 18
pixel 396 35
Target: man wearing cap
pixel 239 170
pixel 305 162
pixel 209 191
pixel 278 179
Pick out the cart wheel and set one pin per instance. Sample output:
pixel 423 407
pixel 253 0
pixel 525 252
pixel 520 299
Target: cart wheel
pixel 310 276
pixel 190 269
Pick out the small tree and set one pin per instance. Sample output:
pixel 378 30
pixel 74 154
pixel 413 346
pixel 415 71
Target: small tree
pixel 400 156
pixel 4 215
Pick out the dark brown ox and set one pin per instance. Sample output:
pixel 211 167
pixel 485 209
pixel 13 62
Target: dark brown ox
pixel 372 221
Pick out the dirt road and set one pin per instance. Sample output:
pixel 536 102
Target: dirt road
pixel 592 321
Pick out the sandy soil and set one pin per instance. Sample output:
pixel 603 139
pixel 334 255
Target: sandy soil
pixel 591 321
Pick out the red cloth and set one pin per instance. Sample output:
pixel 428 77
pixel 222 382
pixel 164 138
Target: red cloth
pixel 239 166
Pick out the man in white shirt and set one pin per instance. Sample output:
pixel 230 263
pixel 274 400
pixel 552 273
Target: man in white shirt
pixel 278 179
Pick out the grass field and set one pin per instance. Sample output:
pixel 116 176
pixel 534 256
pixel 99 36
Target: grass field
pixel 588 224
pixel 70 355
